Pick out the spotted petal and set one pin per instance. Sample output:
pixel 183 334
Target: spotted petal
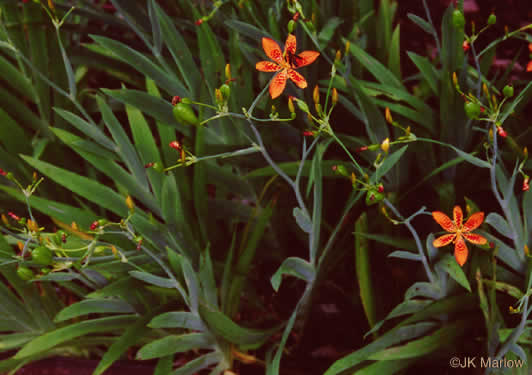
pixel 458 216
pixel 306 58
pixel 272 49
pixel 444 220
pixel 473 222
pixel 268 66
pixel 460 251
pixel 297 78
pixel 477 239
pixel 290 44
pixel 444 240
pixel 278 84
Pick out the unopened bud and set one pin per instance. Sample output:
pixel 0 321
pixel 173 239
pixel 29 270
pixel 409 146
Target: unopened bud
pixel 347 46
pixel 291 107
pixel 20 246
pixel 388 115
pixel 308 133
pixel 526 250
pixel 485 90
pixel 130 204
pixel 291 25
pixel 508 91
pixel 385 145
pixel 2 172
pixel 316 94
pixel 465 46
pixel 353 179
pixel 501 132
pixel 334 96
pixel 219 97
pixel 525 152
pixel 340 170
pixel 74 226
pixel 296 16
pixel 4 220
pixel 338 56
pixel 13 216
pixel 94 225
pixel 492 19
pixel 455 80
pixel 228 72
pixel 35 176
pixel 380 188
pixel 490 134
pixel 176 99
pixel 526 185
pixel 199 21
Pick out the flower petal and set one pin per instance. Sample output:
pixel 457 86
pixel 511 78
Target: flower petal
pixel 460 251
pixel 458 216
pixel 529 66
pixel 444 220
pixel 272 49
pixel 477 239
pixel 268 66
pixel 278 84
pixel 290 44
pixel 297 78
pixel 306 57
pixel 444 240
pixel 473 222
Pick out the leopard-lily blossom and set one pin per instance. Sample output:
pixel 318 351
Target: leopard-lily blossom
pixel 459 231
pixel 285 63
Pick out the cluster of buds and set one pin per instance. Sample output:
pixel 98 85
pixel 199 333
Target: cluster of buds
pixel 374 192
pixel 526 185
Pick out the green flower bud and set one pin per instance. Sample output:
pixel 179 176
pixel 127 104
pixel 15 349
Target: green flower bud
pixel 458 19
pixel 226 91
pixel 158 167
pixel 185 114
pixel 472 110
pixel 508 91
pixel 492 19
pixel 24 273
pixel 340 170
pixel 42 255
pixel 373 196
pixel 291 25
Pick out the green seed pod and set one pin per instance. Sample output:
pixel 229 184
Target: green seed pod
pixel 42 255
pixel 458 19
pixel 158 167
pixel 508 91
pixel 185 114
pixel 341 170
pixel 492 19
pixel 226 91
pixel 373 196
pixel 24 273
pixel 472 110
pixel 291 25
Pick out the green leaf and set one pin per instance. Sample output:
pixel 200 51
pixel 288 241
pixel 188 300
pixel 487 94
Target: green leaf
pixel 294 266
pixel 394 53
pixel 164 79
pixel 177 319
pixel 159 109
pixel 442 338
pixel 427 27
pixel 93 306
pixel 427 70
pixel 405 255
pixel 499 224
pixel 70 332
pixel 379 71
pixel 449 265
pixel 198 364
pixel 175 344
pixel 155 27
pixel 162 282
pixel 363 270
pixel 248 30
pixel 125 149
pixel 327 31
pixel 180 52
pixel 221 325
pixel 87 128
pixel 86 187
pixel 135 333
pixel 424 289
pixel 472 159
pixel 302 219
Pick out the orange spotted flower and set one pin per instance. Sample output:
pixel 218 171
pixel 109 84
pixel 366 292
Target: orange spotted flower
pixel 458 231
pixel 285 63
